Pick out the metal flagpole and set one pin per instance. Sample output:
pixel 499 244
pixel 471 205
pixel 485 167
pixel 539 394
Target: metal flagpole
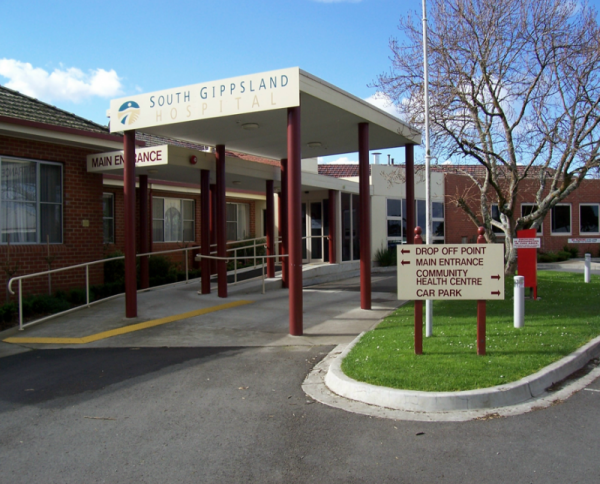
pixel 428 228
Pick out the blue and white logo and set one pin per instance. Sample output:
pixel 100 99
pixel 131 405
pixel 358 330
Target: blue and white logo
pixel 129 112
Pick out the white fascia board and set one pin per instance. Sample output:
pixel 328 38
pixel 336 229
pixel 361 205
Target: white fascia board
pixel 193 191
pixel 329 183
pixel 329 93
pixel 58 137
pixel 254 169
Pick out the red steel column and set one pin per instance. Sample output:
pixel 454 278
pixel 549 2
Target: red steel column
pixel 418 305
pixel 205 229
pixel 332 226
pixel 294 174
pixel 129 202
pixel 409 176
pixel 481 308
pixel 270 221
pixel 364 215
pixel 213 225
pixel 144 233
pixel 283 223
pixel 221 225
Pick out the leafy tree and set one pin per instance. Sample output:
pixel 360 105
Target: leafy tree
pixel 514 87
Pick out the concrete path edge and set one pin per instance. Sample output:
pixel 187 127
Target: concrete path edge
pixel 513 393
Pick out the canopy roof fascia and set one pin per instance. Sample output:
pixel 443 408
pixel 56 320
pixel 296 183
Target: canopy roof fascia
pixel 329 119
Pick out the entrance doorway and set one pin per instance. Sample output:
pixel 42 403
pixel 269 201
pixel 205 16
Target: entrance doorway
pixel 315 246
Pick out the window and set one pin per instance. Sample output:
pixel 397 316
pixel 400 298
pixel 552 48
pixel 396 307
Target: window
pixel 396 221
pixel 561 219
pixel 437 220
pixel 31 201
pixel 173 220
pixel 350 227
pixel 238 221
pixel 108 217
pixel 496 216
pixel 588 218
pixel 526 209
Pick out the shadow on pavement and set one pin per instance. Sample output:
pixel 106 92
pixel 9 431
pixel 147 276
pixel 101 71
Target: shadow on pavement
pixel 40 376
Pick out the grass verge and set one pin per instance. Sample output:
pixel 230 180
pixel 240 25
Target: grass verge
pixel 566 316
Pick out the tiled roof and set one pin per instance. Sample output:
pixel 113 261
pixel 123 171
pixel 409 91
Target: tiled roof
pixel 478 171
pixel 13 104
pixel 339 170
pixel 154 140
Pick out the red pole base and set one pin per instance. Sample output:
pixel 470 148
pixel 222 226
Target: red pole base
pixel 481 328
pixel 418 327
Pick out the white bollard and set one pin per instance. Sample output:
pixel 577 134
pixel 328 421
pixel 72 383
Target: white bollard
pixel 519 310
pixel 588 265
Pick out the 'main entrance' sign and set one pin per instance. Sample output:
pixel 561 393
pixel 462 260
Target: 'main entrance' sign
pixel 452 271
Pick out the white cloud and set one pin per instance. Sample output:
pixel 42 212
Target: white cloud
pixel 383 102
pixel 344 160
pixel 66 84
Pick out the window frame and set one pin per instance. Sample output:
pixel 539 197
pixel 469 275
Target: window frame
pixel 183 220
pixel 597 205
pixel 435 239
pixel 38 202
pixel 570 231
pixel 110 195
pixel 396 240
pixel 246 207
pixel 540 229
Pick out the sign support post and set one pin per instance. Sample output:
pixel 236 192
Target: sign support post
pixel 418 307
pixel 481 308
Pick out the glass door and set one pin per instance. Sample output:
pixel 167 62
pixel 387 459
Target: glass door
pixel 304 240
pixel 316 231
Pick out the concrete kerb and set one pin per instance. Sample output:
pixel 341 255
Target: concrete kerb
pixel 509 399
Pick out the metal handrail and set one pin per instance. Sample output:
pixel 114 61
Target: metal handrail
pixel 102 261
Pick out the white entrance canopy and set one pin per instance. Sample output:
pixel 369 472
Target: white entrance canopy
pixel 284 115
pixel 249 114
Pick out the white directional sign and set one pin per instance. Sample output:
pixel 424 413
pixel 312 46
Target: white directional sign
pixel 527 243
pixel 153 155
pixel 584 241
pixel 451 271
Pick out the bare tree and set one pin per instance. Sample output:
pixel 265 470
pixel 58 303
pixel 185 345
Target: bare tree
pixel 515 87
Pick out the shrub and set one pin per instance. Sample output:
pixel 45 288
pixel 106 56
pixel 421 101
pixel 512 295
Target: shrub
pixel 563 255
pixel 573 251
pixel 43 304
pixel 77 297
pixel 159 266
pixel 386 257
pixel 114 271
pixel 547 257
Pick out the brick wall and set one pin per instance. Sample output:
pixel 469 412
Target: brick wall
pixel 82 201
pixel 457 224
pixel 160 246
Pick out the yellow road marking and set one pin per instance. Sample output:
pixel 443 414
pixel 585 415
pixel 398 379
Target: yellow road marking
pixel 126 329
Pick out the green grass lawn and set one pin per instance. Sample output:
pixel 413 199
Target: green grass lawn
pixel 565 317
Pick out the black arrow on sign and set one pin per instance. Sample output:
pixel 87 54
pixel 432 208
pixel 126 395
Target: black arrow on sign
pixel 405 251
pixel 404 262
pixel 496 293
pixel 496 277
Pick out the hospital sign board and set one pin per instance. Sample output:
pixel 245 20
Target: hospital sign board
pixel 451 271
pixel 114 160
pixel 237 95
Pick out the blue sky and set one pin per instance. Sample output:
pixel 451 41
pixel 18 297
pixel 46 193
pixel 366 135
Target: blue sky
pixel 78 55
